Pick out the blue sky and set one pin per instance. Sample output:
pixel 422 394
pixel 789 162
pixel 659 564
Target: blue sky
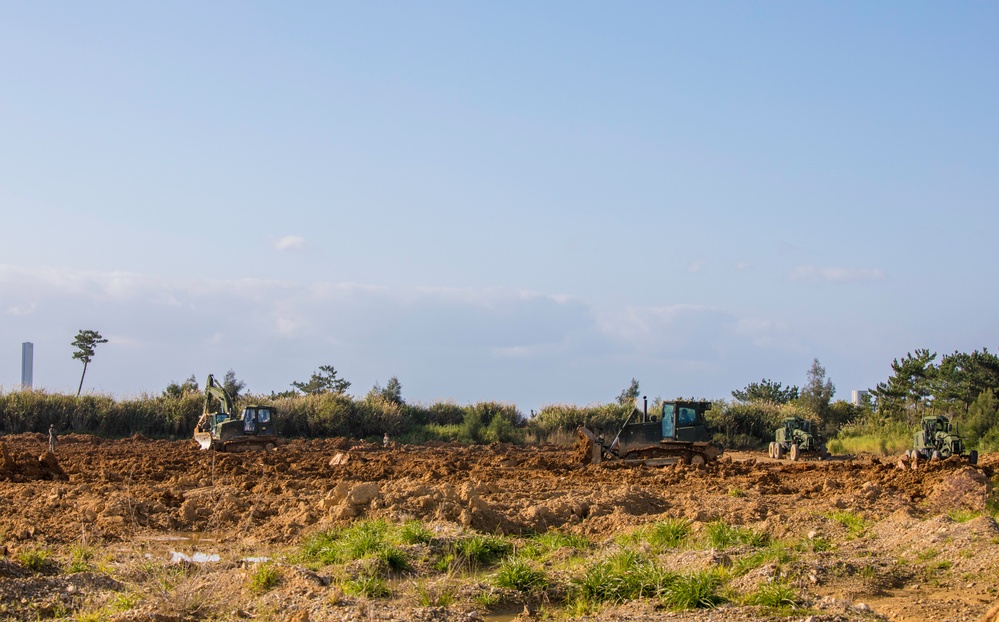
pixel 525 202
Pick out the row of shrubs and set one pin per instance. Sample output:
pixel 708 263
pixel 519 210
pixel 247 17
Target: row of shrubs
pixel 328 415
pixel 324 415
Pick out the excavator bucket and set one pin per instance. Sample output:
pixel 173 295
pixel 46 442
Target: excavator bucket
pixel 588 450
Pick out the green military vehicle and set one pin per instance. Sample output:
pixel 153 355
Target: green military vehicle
pixel 220 429
pixel 796 437
pixel 678 434
pixel 938 439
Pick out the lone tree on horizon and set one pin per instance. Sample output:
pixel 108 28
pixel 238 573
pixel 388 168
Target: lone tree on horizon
pixel 85 343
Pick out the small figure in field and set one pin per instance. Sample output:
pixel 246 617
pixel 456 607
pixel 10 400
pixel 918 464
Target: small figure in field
pixel 385 440
pixel 52 438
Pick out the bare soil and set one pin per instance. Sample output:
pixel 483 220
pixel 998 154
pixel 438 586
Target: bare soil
pixel 925 546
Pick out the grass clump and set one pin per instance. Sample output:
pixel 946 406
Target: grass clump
pixel 627 576
pixel 436 596
pixel 368 586
pixel 264 577
pixel 80 557
pixel 480 550
pixel 415 532
pixel 962 515
pixel 775 552
pixel 721 535
pixel 34 560
pixel 607 581
pixel 699 590
pixel 540 545
pixel 363 540
pixel 393 558
pixel 774 595
pixel 854 523
pixel 667 534
pixel 519 575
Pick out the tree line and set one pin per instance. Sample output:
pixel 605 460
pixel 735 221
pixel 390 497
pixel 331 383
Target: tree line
pixel 960 385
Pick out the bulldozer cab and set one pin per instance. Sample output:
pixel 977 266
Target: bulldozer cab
pixel 684 421
pixel 256 419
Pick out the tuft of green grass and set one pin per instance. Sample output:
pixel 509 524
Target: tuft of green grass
pixel 363 539
pixel 439 596
pixel 487 599
pixel 962 515
pixel 721 535
pixel 667 534
pixel 368 586
pixel 927 554
pixel 660 536
pixel 553 540
pixel 265 577
pixel 854 523
pixel 394 558
pixel 737 492
pixel 34 559
pixel 123 602
pixel 699 590
pixel 816 544
pixel 80 557
pixel 517 574
pixel 775 552
pixel 446 563
pixel 601 584
pixel 480 550
pixel 415 532
pixel 774 595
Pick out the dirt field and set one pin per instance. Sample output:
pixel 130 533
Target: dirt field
pixel 98 533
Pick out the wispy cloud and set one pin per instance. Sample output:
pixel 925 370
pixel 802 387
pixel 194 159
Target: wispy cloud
pixel 289 243
pixel 696 266
pixel 835 274
pixel 474 342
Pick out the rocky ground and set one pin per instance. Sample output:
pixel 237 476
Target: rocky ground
pixel 138 529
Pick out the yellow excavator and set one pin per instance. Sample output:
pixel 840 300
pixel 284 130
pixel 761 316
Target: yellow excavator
pixel 219 428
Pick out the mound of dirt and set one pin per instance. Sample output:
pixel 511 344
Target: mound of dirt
pixel 19 466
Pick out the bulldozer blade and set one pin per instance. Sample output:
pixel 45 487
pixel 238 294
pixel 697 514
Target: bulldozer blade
pixel 588 450
pixel 204 439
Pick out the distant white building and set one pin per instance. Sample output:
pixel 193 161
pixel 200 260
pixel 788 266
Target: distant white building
pixel 858 395
pixel 27 364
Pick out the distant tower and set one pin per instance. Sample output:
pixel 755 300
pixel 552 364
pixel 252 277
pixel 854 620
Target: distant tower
pixel 857 396
pixel 27 364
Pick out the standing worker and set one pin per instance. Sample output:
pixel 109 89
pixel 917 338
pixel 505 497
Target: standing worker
pixel 52 438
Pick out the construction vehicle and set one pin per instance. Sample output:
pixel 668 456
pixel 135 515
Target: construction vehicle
pixel 938 439
pixel 219 428
pixel 677 435
pixel 796 437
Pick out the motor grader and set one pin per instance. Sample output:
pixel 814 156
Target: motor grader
pixel 938 439
pixel 678 434
pixel 795 438
pixel 220 429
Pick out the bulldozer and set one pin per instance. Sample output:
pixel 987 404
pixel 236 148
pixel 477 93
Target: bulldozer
pixel 796 437
pixel 219 428
pixel 678 434
pixel 938 439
